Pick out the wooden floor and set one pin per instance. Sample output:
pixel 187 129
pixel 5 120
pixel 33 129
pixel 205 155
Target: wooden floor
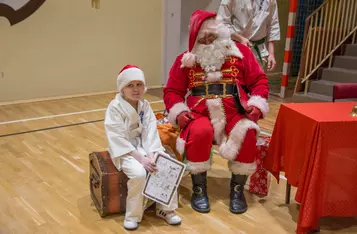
pixel 44 149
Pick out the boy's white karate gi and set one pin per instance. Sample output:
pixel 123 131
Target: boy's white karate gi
pixel 128 130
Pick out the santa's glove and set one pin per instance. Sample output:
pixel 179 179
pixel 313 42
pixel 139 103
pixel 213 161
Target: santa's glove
pixel 184 119
pixel 253 113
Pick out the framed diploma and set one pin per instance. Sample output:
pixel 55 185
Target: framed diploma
pixel 161 186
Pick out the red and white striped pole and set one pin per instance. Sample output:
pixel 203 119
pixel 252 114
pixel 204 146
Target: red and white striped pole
pixel 288 47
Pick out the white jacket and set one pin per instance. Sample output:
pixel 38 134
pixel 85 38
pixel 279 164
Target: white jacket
pixel 253 19
pixel 128 130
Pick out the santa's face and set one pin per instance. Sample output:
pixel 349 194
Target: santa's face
pixel 212 46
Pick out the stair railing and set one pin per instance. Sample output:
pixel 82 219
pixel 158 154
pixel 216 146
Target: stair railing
pixel 326 29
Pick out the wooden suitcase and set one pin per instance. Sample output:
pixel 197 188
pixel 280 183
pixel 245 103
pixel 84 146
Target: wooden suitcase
pixel 108 186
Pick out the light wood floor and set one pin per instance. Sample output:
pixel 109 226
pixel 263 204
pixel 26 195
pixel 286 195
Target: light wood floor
pixel 44 178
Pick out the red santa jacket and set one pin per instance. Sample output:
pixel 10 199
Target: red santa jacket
pixel 246 70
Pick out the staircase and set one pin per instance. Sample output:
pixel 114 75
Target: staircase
pixel 329 51
pixel 343 70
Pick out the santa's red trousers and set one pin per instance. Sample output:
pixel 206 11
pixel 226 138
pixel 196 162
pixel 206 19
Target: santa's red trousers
pixel 198 136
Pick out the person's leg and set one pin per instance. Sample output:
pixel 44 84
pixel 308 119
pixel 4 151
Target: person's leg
pixel 198 144
pixel 241 171
pixel 241 151
pixel 134 201
pixel 168 213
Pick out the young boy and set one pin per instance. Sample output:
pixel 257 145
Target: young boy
pixel 130 126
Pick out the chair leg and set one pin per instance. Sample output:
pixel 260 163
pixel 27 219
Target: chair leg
pixel 287 193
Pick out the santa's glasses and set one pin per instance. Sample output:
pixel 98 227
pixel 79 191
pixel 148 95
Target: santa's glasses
pixel 208 38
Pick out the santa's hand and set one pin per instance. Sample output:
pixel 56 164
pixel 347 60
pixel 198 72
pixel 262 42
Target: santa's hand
pixel 184 119
pixel 253 113
pixel 271 62
pixel 149 164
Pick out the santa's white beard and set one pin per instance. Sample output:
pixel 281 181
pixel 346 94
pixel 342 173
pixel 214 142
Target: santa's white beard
pixel 211 57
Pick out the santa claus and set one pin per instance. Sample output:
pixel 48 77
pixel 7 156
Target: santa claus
pixel 227 95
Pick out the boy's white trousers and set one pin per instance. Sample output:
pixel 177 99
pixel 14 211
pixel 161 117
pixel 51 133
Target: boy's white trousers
pixel 137 177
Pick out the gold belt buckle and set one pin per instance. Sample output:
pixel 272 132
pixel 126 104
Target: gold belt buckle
pixel 207 95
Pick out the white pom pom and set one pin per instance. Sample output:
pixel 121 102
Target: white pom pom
pixel 188 60
pixel 219 19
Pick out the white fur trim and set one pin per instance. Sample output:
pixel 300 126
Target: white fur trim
pixel 188 60
pixel 239 168
pixel 198 167
pixel 175 110
pixel 128 75
pixel 234 51
pixel 260 103
pixel 180 145
pixel 231 148
pixel 214 76
pixel 217 117
pixel 219 19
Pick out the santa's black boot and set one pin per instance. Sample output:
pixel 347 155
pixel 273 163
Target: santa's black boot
pixel 199 199
pixel 238 204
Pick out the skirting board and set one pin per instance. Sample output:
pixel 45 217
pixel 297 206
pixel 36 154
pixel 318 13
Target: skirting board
pixel 65 97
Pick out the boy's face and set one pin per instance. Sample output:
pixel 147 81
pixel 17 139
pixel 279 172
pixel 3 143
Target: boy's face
pixel 134 90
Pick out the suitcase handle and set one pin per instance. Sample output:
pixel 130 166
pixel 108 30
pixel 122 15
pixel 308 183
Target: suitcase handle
pixel 94 181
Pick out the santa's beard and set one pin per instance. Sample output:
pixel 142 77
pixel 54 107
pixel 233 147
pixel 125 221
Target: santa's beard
pixel 211 57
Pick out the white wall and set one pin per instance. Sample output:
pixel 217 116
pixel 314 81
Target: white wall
pixel 175 27
pixel 187 8
pixel 171 35
pixel 68 48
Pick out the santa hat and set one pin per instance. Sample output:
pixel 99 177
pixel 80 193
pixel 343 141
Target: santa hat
pixel 196 20
pixel 129 73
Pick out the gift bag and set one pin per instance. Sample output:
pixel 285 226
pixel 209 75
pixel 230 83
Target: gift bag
pixel 259 180
pixel 168 133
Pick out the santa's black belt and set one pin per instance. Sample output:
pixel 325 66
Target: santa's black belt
pixel 221 89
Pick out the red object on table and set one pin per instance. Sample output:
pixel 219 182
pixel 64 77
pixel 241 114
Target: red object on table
pixel 316 145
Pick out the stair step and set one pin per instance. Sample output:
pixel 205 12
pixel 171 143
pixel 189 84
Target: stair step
pixel 340 75
pixel 347 62
pixel 351 50
pixel 322 87
pixel 311 97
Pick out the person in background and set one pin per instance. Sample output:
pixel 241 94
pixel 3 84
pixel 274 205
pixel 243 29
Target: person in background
pixel 253 23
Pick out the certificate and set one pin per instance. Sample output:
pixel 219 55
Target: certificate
pixel 161 186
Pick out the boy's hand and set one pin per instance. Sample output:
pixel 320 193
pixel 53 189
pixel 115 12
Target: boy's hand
pixel 149 164
pixel 152 157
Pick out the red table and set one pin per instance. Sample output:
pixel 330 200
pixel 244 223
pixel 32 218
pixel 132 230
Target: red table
pixel 315 144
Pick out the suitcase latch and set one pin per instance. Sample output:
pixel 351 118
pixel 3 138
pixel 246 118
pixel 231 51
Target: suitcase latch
pixel 94 181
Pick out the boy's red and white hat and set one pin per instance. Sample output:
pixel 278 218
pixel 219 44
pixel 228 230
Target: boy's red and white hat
pixel 129 73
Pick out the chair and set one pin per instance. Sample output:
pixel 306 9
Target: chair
pixel 344 91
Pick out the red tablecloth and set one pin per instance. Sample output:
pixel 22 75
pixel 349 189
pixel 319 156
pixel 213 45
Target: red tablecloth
pixel 316 145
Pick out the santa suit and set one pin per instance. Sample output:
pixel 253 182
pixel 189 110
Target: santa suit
pixel 256 20
pixel 216 118
pixel 129 130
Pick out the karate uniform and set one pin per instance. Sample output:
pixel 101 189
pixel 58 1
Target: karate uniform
pixel 128 130
pixel 252 19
